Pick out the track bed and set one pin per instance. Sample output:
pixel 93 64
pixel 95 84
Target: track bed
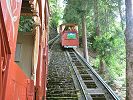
pixel 70 77
pixel 60 83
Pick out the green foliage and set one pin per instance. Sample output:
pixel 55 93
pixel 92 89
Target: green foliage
pixel 55 19
pixel 75 9
pixel 109 44
pixel 56 13
pixel 25 24
pixel 103 45
pixel 111 48
pixel 70 16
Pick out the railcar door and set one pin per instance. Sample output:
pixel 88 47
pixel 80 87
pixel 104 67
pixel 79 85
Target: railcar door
pixel 23 54
pixel 15 83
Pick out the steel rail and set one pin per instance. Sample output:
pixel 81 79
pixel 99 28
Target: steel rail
pixel 78 78
pixel 114 96
pixel 52 40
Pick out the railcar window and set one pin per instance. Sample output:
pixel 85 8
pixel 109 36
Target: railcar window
pixel 66 28
pixel 71 35
pixel 18 52
pixel 25 44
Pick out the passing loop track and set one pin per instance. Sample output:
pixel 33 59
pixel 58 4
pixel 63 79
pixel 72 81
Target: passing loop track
pixel 91 84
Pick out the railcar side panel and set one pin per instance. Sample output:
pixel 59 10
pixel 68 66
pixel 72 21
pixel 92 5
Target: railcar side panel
pixel 14 83
pixel 69 39
pixel 69 35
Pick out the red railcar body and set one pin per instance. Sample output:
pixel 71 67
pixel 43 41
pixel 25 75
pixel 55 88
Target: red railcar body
pixel 69 35
pixel 15 84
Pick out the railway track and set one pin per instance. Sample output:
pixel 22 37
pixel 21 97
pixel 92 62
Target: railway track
pixel 70 77
pixel 92 85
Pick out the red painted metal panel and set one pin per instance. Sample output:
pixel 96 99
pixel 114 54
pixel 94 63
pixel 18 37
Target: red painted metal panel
pixel 45 62
pixel 4 55
pixel 69 42
pixel 39 87
pixel 0 66
pixel 14 84
pixel 42 74
pixel 42 58
pixel 30 89
pixel 17 83
pixel 11 14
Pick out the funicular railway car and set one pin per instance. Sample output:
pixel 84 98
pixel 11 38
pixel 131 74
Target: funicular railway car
pixel 23 55
pixel 69 35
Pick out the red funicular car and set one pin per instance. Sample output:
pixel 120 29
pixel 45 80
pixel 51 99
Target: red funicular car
pixel 69 35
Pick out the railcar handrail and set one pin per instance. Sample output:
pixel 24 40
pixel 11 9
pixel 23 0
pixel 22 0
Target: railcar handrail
pixel 98 77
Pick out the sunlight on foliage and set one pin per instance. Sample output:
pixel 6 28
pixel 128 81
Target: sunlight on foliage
pixel 25 24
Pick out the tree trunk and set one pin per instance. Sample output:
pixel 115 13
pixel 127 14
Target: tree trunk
pixel 84 37
pixel 129 49
pixel 120 11
pixel 102 66
pixel 96 22
pixel 97 30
